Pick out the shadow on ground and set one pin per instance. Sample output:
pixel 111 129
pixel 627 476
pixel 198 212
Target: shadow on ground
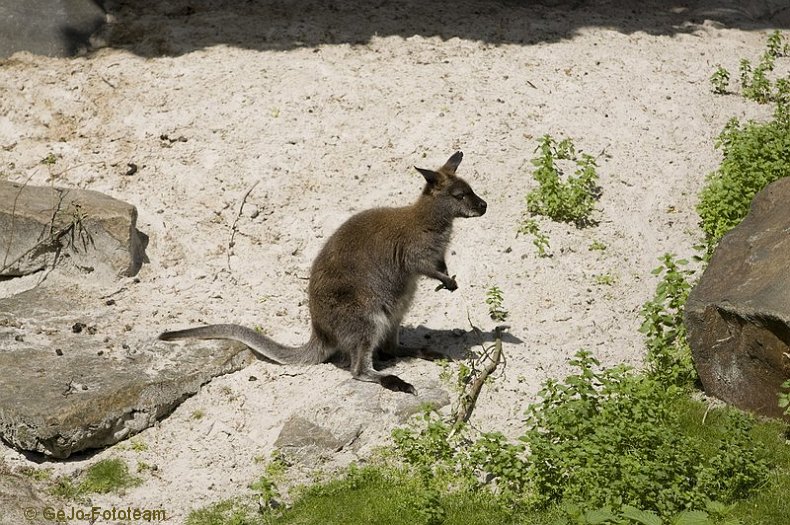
pixel 154 28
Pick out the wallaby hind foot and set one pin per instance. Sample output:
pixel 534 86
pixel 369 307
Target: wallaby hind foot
pixel 365 276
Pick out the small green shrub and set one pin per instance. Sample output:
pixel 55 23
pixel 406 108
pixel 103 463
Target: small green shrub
pixel 784 397
pixel 776 46
pixel 755 84
pixel 495 300
pixel 668 352
pixel 755 154
pixel 606 438
pixel 604 279
pixel 597 246
pixel 529 226
pixel 720 81
pixel 569 200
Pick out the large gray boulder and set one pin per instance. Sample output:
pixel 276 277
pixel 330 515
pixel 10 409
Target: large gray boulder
pixel 738 315
pixel 41 227
pixel 64 387
pixel 48 27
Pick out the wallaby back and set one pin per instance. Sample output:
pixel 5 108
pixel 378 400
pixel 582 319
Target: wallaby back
pixel 364 278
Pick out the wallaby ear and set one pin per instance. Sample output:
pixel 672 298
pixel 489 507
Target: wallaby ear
pixel 431 177
pixel 452 163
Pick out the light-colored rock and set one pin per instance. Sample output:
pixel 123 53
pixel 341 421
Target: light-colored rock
pixel 42 227
pixel 328 426
pixel 64 389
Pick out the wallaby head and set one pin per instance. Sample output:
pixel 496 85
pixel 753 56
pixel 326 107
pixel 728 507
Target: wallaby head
pixel 451 195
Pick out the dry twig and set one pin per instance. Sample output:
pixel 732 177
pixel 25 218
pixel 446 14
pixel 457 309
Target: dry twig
pixel 234 228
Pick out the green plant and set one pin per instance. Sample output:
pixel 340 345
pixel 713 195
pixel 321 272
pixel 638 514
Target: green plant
pixel 609 437
pixel 784 397
pixel 755 154
pixel 138 445
pixel 494 300
pixel 604 279
pixel 720 80
pixel 668 353
pixel 227 512
pixel 107 475
pixel 38 474
pixel 529 226
pixel 142 466
pixel 754 81
pixel 755 84
pixel 430 450
pixel 569 200
pixel 628 515
pixel 597 246
pixel 266 486
pixel 776 46
pixel 50 159
pixel 267 491
pixel 65 488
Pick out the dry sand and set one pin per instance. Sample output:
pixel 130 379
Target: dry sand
pixel 326 107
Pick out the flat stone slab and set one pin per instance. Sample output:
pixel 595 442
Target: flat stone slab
pixel 326 427
pixel 63 391
pixel 42 226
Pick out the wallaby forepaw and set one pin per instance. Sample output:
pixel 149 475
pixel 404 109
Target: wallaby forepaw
pixel 396 384
pixel 449 284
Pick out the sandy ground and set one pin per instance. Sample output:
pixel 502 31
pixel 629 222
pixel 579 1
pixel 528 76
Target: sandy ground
pixel 326 108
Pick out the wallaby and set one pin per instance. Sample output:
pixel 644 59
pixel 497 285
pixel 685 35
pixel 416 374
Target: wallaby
pixel 364 278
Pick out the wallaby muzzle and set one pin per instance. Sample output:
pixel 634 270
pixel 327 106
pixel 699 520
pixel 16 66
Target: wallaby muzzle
pixel 479 207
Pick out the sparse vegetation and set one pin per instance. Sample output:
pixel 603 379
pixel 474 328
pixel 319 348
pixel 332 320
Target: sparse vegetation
pixel 227 512
pixel 604 279
pixel 495 300
pixel 755 153
pixel 720 80
pixel 50 159
pixel 668 351
pixel 597 246
pixel 138 445
pixel 559 196
pixel 563 197
pixel 107 475
pixel 529 226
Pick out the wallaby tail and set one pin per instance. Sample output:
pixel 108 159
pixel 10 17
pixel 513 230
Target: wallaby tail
pixel 309 353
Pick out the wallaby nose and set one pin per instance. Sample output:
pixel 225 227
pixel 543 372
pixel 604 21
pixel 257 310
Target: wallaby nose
pixel 483 206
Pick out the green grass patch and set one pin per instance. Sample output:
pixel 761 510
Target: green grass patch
pixel 107 475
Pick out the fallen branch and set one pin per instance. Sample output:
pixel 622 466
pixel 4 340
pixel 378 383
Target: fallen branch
pixel 468 399
pixel 234 228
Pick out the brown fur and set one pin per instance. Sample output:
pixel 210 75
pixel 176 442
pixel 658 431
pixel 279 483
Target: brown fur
pixel 363 280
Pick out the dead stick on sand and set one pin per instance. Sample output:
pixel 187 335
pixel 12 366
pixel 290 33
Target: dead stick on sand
pixel 234 228
pixel 467 401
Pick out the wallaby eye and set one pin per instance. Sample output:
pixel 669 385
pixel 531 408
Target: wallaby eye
pixel 460 196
